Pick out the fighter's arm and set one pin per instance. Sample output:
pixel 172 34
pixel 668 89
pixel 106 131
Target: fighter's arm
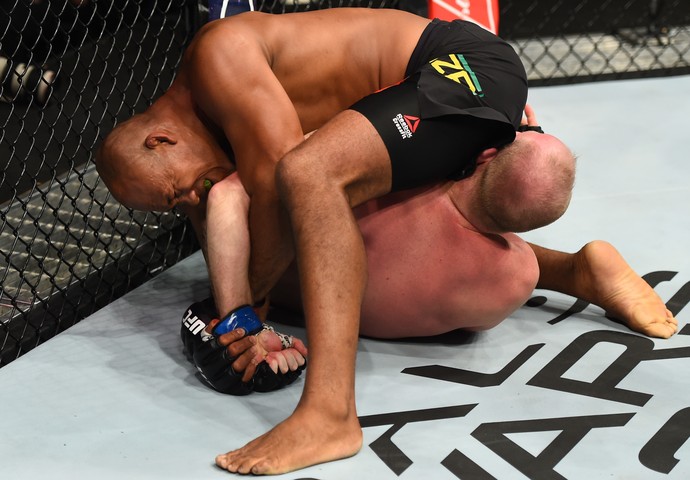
pixel 197 217
pixel 236 88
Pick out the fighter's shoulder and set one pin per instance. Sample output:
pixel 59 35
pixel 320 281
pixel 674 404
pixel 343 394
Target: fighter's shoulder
pixel 229 38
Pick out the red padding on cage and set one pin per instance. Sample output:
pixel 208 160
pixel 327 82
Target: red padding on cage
pixel 484 13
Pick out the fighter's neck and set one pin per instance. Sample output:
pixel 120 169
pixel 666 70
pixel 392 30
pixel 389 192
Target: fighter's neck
pixel 177 107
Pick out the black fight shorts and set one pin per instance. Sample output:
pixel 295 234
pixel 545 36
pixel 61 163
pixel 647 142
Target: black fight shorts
pixel 465 91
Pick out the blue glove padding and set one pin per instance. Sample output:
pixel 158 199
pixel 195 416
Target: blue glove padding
pixel 241 317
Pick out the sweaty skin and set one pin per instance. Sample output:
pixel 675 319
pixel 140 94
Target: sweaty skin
pixel 258 82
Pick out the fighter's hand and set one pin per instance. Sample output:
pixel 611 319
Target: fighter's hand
pixel 529 118
pixel 282 353
pixel 267 361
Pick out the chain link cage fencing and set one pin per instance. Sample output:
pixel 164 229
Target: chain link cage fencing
pixel 70 70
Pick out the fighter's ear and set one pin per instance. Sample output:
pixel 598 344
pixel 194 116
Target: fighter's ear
pixel 487 155
pixel 158 137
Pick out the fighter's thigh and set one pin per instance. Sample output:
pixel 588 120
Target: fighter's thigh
pixel 346 154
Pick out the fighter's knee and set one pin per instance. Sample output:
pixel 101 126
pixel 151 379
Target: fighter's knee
pixel 296 172
pixel 286 172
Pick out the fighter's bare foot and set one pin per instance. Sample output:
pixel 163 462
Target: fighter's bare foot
pixel 611 283
pixel 306 438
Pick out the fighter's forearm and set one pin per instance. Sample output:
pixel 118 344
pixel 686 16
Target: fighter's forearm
pixel 197 217
pixel 272 249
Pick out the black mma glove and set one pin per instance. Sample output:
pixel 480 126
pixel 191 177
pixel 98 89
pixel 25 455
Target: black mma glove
pixel 197 316
pixel 213 361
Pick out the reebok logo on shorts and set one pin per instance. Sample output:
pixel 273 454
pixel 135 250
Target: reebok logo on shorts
pixel 406 124
pixel 455 67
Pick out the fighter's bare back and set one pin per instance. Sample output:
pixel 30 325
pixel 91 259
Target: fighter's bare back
pixel 420 249
pixel 320 76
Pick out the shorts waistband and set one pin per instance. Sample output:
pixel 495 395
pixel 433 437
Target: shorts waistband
pixel 415 59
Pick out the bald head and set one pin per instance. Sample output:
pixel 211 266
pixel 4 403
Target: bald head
pixel 124 162
pixel 122 145
pixel 528 184
pixel 154 162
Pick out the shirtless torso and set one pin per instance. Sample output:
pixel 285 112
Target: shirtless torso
pixel 430 272
pixel 323 71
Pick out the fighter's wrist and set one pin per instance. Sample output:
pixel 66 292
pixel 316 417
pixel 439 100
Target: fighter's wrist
pixel 243 317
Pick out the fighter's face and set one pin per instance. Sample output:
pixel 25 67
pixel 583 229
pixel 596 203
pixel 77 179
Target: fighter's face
pixel 162 189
